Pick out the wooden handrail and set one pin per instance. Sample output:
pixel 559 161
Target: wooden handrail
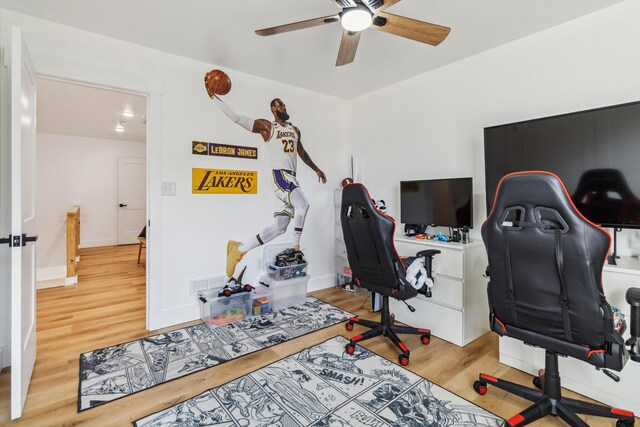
pixel 73 240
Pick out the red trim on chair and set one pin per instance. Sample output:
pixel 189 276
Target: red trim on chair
pixel 592 352
pixel 354 319
pixel 425 331
pixel 402 346
pixel 515 420
pixel 356 338
pixel 393 291
pixel 504 328
pixel 622 412
pixel 489 378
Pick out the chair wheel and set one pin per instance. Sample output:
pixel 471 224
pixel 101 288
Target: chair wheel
pixel 426 339
pixel 623 423
pixel 480 387
pixel 350 348
pixel 349 326
pixel 404 360
pixel 537 382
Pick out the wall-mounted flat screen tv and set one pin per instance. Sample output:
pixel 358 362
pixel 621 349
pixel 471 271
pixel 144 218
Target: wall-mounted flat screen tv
pixel 438 202
pixel 596 153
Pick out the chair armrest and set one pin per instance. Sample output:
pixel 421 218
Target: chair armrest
pixel 428 253
pixel 633 298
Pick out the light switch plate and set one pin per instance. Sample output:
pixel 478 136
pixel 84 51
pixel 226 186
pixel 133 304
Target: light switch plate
pixel 168 188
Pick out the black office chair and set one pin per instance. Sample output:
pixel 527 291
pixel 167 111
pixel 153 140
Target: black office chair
pixel 376 266
pixel 545 267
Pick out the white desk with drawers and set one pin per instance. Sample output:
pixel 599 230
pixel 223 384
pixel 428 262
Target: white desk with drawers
pixel 458 310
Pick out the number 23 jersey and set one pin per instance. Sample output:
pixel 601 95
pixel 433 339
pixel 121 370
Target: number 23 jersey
pixel 283 146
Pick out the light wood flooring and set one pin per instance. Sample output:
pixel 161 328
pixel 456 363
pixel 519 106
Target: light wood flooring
pixel 107 307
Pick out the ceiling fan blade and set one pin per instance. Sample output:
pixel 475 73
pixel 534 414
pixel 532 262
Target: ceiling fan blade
pixel 301 25
pixel 410 28
pixel 348 47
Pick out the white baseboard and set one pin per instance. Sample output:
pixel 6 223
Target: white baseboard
pixel 323 282
pixel 51 273
pixel 68 281
pixel 98 242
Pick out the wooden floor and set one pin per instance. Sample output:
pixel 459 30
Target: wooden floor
pixel 107 307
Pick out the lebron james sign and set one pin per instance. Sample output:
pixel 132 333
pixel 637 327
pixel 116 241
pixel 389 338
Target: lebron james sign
pixel 225 150
pixel 223 181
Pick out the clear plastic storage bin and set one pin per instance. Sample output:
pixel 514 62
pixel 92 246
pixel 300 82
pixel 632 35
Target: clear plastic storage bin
pixel 288 272
pixel 215 310
pixel 286 293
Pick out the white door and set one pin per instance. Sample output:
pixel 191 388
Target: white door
pixel 132 215
pixel 23 221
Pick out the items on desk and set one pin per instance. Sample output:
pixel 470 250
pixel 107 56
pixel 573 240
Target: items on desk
pixel 441 237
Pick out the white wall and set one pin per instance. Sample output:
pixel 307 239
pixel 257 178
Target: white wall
pixel 431 126
pixel 190 231
pixel 74 170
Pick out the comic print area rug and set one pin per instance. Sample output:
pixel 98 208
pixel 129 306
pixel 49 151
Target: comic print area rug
pixel 323 386
pixel 113 372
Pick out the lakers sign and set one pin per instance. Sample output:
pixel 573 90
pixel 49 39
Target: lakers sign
pixel 222 181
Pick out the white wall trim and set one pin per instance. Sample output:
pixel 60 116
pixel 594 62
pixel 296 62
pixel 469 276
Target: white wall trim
pixel 97 242
pixel 51 273
pixel 322 282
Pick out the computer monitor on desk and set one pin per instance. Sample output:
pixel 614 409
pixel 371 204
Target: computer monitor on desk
pixel 437 202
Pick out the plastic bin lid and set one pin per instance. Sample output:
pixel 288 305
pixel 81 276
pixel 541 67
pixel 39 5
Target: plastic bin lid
pixel 286 282
pixel 210 294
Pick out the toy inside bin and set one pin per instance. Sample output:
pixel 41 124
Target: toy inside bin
pixel 215 310
pixel 287 272
pixel 261 303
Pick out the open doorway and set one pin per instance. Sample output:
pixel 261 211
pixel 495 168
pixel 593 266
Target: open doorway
pixel 91 155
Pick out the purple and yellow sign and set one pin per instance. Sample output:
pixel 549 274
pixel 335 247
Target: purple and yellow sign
pixel 224 150
pixel 223 181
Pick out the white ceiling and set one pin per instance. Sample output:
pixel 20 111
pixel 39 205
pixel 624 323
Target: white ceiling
pixel 71 109
pixel 222 33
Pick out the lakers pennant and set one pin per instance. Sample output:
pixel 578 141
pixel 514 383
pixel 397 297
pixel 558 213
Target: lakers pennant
pixel 222 181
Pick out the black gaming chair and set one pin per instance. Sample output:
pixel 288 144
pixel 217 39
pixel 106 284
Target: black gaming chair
pixel 376 266
pixel 545 266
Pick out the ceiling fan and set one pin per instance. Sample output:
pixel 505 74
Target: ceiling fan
pixel 358 15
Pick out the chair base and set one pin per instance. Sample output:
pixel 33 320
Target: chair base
pixel 549 400
pixel 387 328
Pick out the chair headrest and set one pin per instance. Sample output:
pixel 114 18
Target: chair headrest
pixel 543 194
pixel 357 193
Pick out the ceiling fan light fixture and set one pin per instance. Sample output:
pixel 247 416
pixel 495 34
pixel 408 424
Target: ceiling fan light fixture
pixel 356 18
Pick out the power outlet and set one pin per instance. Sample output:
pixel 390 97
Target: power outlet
pixel 168 188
